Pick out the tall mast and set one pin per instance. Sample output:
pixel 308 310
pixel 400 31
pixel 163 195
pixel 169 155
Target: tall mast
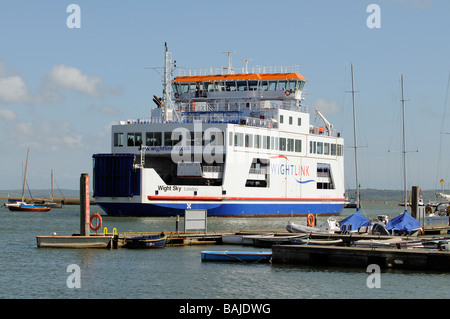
pixel 358 204
pixel 167 102
pixel 404 148
pixel 25 177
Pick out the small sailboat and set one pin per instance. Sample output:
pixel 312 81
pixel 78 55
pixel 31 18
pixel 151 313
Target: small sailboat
pixel 22 206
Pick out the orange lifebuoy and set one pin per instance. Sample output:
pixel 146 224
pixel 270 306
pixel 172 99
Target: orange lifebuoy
pixel 97 215
pixel 310 220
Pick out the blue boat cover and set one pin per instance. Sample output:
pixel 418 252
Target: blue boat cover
pixel 356 220
pixel 403 222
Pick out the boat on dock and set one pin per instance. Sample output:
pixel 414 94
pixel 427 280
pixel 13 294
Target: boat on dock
pixel 147 241
pixel 237 256
pixel 232 143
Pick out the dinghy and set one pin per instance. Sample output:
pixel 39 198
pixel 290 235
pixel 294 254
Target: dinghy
pixel 241 256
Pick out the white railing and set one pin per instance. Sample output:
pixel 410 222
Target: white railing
pixel 240 70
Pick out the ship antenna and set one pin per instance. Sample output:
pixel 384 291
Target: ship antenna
pixel 229 67
pixel 245 65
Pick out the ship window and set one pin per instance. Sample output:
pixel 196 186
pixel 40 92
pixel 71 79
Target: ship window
pixel 290 120
pixel 257 141
pixel 230 86
pixel 253 85
pixel 272 85
pixel 299 121
pixel 134 139
pixel 209 86
pixel 153 139
pixel 281 85
pixel 192 87
pixel 238 139
pixel 248 140
pixel 340 151
pixel 220 87
pixel 272 144
pixel 312 147
pixel 176 87
pixel 319 148
pixel 326 148
pixel 168 139
pixel 281 119
pixel 290 144
pixel 282 144
pixel 118 139
pixel 298 146
pixel 266 142
pixel 264 86
pixel 333 149
pixel 301 84
pixel 292 86
pixel 184 88
pixel 242 85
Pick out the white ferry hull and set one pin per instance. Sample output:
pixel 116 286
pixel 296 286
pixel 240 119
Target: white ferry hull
pixel 229 209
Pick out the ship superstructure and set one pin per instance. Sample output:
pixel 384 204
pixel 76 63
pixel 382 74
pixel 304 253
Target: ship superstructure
pixel 235 144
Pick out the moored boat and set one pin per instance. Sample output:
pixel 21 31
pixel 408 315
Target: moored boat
pixel 317 242
pixel 24 207
pixel 269 241
pixel 147 241
pixel 240 256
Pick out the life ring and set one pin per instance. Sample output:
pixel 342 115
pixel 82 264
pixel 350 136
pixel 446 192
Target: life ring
pixel 428 210
pixel 287 92
pixel 177 95
pixel 96 215
pixel 310 220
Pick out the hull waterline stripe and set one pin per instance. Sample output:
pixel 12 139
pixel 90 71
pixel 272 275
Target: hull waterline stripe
pixel 212 198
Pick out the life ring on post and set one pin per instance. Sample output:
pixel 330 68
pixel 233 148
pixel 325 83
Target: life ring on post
pixel 96 215
pixel 287 92
pixel 310 220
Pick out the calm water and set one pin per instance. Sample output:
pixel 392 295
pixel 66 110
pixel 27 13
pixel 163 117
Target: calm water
pixel 178 272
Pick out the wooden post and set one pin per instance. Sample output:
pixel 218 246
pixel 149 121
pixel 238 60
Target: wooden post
pixel 414 201
pixel 85 212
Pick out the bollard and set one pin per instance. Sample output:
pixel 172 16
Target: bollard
pixel 85 212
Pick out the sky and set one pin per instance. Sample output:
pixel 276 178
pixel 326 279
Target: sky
pixel 63 84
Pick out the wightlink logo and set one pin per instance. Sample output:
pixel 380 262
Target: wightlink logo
pixel 300 172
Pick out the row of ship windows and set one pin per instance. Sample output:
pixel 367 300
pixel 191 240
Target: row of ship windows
pixel 237 139
pixel 284 144
pixel 251 85
pixel 157 139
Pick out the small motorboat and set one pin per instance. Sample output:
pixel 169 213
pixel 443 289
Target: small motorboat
pixel 269 241
pixel 317 242
pixel 241 256
pixel 147 241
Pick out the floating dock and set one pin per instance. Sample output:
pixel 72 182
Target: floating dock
pixel 414 259
pixel 74 241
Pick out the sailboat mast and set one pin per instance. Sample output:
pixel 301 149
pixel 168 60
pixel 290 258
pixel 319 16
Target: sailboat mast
pixel 358 204
pixel 404 147
pixel 25 177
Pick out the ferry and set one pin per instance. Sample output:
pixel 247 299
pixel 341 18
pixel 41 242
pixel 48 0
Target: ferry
pixel 232 143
